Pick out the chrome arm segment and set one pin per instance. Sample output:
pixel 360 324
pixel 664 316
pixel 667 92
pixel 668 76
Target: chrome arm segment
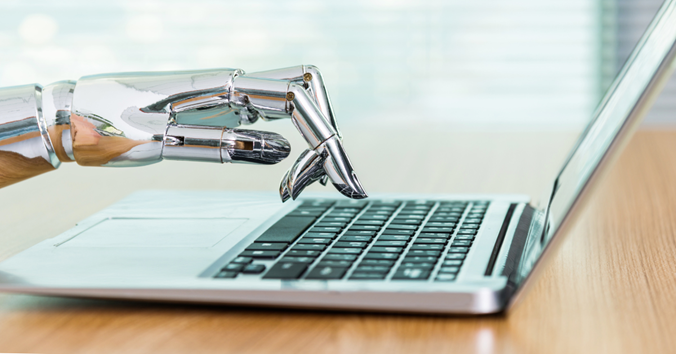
pixel 135 119
pixel 310 78
pixel 34 130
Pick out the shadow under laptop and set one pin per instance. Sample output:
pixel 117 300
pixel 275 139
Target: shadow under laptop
pixel 126 326
pixel 56 304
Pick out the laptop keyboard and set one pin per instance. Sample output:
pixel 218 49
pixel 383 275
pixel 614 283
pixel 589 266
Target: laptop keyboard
pixel 364 240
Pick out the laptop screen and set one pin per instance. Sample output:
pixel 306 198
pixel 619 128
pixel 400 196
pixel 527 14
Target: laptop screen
pixel 623 106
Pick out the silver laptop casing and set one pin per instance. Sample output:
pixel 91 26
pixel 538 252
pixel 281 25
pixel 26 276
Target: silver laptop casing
pixel 167 245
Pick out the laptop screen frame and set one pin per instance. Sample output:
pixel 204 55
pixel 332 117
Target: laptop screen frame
pixel 651 63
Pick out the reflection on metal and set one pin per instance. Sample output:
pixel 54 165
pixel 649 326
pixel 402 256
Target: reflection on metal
pixel 136 119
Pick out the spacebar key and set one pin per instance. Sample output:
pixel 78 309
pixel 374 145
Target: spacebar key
pixel 287 229
pixel 286 271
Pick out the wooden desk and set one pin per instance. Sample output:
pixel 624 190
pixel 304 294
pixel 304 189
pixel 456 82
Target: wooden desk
pixel 610 289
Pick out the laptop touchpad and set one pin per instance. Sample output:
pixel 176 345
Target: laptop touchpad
pixel 155 232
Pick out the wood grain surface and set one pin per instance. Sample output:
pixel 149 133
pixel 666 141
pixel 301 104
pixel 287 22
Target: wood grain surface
pixel 610 289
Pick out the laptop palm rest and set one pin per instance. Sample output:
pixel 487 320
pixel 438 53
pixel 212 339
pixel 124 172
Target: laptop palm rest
pixel 155 232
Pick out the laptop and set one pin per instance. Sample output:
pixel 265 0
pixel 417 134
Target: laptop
pixel 455 254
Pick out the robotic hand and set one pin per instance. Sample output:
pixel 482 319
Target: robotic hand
pixel 136 119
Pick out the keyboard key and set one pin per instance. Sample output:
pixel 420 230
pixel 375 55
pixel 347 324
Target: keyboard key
pixel 351 203
pixel 339 257
pixel 425 266
pixel 260 254
pixel 350 244
pixel 302 253
pixel 441 224
pixel 455 256
pixel 314 240
pixel 387 249
pixel 469 226
pixel 461 243
pixel 436 235
pixel 458 250
pixel 414 264
pixel 372 268
pixel 428 240
pixel 445 277
pixel 359 233
pixel 364 228
pixel 411 274
pixel 385 256
pixel 286 271
pixel 369 222
pixel 394 238
pixel 453 270
pixel 253 269
pixel 404 221
pixel 327 272
pixel 469 220
pixel 319 209
pixel 423 253
pixel 464 237
pixel 467 232
pixel 374 217
pixel 347 210
pixel 378 212
pixel 233 267
pixel 398 232
pixel 367 276
pixel 452 263
pixel 378 262
pixel 421 202
pixel 287 229
pixel 324 263
pixel 305 213
pixel 267 246
pixel 406 211
pixel 425 246
pixel 325 229
pixel 389 203
pixel 337 218
pixel 226 275
pixel 420 259
pixel 298 259
pixel 338 215
pixel 411 216
pixel 387 243
pixel 402 227
pixel 446 214
pixel 243 260
pixel 321 234
pixel 331 224
pixel 437 229
pixel 311 247
pixel 355 238
pixel 444 221
pixel 344 250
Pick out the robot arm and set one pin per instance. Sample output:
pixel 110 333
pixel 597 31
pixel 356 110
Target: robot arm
pixel 136 119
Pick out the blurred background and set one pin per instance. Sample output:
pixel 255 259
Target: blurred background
pixel 432 96
pixel 522 64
